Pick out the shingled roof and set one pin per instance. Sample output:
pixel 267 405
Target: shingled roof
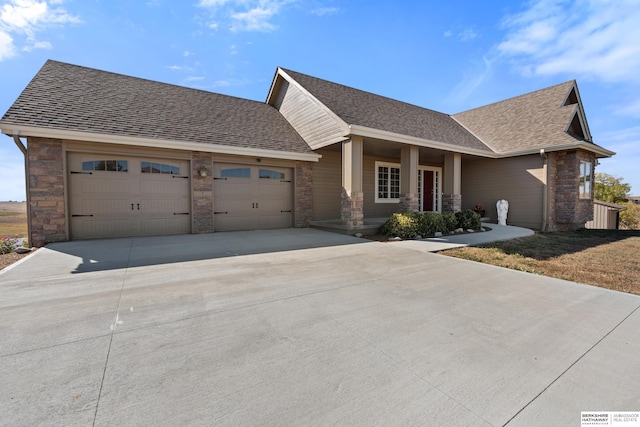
pixel 357 107
pixel 79 99
pixel 534 120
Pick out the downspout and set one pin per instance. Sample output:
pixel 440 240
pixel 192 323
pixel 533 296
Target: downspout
pixel 545 195
pixel 16 139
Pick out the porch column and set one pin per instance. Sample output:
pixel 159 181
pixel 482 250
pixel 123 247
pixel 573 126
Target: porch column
pixel 352 213
pixel 452 197
pixel 409 197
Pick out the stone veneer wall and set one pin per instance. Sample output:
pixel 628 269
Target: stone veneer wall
pixel 303 193
pixel 566 210
pixel 352 208
pixel 202 193
pixel 46 191
pixel 409 202
pixel 451 202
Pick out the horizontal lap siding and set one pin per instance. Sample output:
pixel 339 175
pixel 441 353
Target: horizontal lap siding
pixel 371 208
pixel 519 180
pixel 327 186
pixel 307 117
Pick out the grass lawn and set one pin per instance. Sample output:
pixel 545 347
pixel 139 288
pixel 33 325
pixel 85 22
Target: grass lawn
pixel 606 258
pixel 13 223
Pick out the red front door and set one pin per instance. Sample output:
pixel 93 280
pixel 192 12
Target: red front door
pixel 427 191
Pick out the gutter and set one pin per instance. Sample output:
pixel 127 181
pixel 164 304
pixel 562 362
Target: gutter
pixel 25 153
pixel 545 195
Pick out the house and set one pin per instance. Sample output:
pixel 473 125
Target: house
pixel 606 216
pixel 109 155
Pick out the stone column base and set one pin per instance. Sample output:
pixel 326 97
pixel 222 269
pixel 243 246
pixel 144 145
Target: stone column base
pixel 451 202
pixel 409 202
pixel 352 214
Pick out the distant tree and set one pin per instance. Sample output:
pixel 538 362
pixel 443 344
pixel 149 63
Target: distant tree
pixel 630 218
pixel 609 188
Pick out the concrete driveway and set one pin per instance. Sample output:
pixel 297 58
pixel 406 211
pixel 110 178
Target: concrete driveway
pixel 303 327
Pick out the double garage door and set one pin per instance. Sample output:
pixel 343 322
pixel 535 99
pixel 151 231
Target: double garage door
pixel 119 196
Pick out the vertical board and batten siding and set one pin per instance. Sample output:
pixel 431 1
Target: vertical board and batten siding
pixel 604 217
pixel 316 126
pixel 519 180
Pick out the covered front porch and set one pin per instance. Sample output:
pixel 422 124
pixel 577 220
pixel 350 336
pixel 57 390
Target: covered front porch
pixel 360 182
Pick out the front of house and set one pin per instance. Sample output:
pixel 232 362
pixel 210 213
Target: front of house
pixel 109 155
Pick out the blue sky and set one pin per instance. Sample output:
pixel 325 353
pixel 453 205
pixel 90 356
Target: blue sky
pixel 448 56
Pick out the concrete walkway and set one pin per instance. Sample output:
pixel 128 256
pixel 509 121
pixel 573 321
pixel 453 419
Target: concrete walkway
pixel 498 233
pixel 303 327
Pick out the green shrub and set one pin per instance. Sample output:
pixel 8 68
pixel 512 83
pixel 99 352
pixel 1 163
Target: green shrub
pixel 450 221
pixel 468 219
pixel 408 225
pixel 405 225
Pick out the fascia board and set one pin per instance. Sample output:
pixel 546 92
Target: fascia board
pixel 327 110
pixel 390 136
pixel 582 116
pixel 412 140
pixel 26 131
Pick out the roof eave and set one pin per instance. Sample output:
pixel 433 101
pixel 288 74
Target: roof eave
pixel 406 139
pixel 368 132
pixel 29 131
pixel 583 145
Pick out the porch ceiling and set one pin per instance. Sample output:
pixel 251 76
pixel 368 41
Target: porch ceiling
pixel 389 149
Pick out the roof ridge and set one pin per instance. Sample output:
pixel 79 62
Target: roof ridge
pixel 573 81
pixel 363 91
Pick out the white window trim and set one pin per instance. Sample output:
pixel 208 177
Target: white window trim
pixel 389 165
pixel 586 169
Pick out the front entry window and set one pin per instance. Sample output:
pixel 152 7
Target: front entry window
pixel 387 183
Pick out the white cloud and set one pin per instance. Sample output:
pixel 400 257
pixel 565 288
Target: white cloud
pixel 631 109
pixel 194 78
pixel 323 11
pixel 467 34
pixel 590 38
pixel 7 49
pixel 27 18
pixel 447 34
pixel 243 15
pixel 256 19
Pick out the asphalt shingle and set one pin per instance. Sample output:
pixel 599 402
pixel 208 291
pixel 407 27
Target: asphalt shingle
pixel 70 97
pixel 357 107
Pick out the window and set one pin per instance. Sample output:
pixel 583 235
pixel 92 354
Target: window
pixel 149 167
pixel 387 183
pixel 271 174
pixel 106 165
pixel 585 180
pixel 236 173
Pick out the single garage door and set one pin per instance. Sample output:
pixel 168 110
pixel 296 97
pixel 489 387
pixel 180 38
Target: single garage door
pixel 118 196
pixel 252 197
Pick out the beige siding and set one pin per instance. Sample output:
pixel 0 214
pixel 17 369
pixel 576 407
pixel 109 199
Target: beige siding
pixel 519 180
pixel 327 186
pixel 604 217
pixel 371 208
pixel 314 124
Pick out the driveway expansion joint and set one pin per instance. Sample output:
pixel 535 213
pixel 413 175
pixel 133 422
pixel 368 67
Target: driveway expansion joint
pixel 572 365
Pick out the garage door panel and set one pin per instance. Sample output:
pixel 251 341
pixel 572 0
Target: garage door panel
pixel 252 197
pixel 108 195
